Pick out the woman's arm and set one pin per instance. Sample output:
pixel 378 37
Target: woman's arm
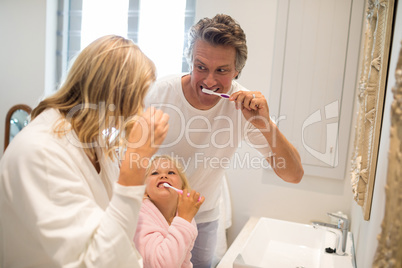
pixel 66 214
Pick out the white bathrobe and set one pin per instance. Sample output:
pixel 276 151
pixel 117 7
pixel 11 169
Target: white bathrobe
pixel 56 210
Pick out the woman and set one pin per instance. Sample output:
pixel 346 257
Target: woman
pixel 63 199
pixel 166 228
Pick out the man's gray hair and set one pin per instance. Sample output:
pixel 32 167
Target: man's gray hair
pixel 221 30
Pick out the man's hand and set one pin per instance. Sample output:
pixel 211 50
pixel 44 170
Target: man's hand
pixel 254 107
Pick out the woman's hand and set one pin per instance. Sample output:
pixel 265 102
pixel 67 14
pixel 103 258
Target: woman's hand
pixel 189 205
pixel 148 132
pixel 144 138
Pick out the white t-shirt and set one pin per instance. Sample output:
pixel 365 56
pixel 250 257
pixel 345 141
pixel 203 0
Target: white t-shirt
pixel 204 141
pixel 56 210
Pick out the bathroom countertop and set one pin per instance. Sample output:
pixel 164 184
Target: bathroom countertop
pixel 238 244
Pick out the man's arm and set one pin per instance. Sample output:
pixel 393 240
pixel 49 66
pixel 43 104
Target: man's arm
pixel 285 160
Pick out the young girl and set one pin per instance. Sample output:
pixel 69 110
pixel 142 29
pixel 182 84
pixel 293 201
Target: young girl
pixel 166 229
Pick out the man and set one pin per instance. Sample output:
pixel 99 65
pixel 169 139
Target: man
pixel 205 130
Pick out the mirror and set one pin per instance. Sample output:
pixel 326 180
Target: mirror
pixel 16 119
pixel 371 90
pixel 390 239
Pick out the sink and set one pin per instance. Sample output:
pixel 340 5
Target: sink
pixel 283 244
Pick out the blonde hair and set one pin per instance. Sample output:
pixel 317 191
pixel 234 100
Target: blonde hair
pixel 177 165
pixel 105 86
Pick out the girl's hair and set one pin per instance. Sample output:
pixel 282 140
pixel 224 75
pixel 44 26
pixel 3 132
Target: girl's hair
pixel 175 164
pixel 104 88
pixel 221 30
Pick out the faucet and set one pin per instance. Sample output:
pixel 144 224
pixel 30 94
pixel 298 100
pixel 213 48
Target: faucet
pixel 342 226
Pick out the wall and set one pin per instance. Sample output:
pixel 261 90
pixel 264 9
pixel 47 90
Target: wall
pixel 366 232
pixel 26 53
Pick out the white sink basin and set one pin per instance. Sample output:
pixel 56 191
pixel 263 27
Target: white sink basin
pixel 283 244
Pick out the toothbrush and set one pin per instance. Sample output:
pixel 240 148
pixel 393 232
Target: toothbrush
pixel 225 96
pixel 166 185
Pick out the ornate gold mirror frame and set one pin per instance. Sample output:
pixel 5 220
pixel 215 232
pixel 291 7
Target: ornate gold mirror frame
pixel 371 89
pixel 389 253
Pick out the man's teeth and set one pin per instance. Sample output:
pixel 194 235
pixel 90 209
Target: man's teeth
pixel 216 90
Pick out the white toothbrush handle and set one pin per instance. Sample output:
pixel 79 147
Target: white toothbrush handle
pixel 224 96
pixel 179 191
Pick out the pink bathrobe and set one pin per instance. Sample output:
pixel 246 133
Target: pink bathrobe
pixel 162 245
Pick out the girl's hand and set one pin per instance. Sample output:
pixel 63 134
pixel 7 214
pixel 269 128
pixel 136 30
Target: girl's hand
pixel 188 206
